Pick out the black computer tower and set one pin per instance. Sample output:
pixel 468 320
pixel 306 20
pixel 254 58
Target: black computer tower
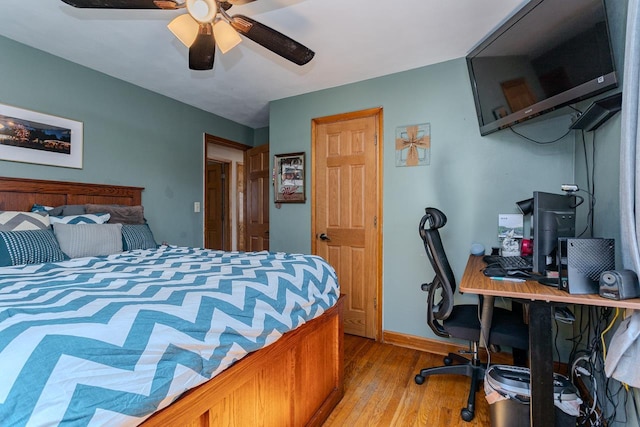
pixel 581 262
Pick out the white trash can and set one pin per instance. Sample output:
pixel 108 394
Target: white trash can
pixel 507 390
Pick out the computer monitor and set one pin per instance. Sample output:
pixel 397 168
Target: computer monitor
pixel 554 216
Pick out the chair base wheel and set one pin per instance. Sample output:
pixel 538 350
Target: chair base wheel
pixel 419 379
pixel 448 361
pixel 466 414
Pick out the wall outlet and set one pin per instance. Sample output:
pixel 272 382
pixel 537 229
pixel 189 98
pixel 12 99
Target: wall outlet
pixel 196 207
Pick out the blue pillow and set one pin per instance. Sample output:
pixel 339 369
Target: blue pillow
pixel 29 247
pixel 40 208
pixel 137 236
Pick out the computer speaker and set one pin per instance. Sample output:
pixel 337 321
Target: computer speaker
pixel 619 284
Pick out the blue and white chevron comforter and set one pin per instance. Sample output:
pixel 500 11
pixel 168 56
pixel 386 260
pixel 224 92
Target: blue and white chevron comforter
pixel 109 340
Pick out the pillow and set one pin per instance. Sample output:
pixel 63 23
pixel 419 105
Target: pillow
pixel 40 208
pixel 120 214
pixel 29 247
pixel 81 240
pixel 65 210
pixel 80 219
pixel 17 220
pixel 137 236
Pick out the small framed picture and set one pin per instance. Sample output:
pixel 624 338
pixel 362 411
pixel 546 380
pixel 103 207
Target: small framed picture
pixel 288 178
pixel 500 112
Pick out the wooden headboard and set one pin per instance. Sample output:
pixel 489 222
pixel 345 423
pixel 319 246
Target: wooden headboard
pixel 18 194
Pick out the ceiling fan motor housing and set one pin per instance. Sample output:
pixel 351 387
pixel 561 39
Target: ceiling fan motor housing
pixel 202 11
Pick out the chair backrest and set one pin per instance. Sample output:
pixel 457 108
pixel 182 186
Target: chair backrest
pixel 444 280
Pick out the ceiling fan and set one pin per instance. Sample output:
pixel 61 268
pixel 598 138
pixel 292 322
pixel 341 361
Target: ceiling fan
pixel 206 24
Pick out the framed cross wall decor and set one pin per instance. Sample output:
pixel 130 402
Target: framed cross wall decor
pixel 413 145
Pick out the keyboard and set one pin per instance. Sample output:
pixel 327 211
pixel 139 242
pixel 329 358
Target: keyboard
pixel 524 263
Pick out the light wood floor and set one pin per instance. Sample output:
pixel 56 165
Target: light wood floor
pixel 380 390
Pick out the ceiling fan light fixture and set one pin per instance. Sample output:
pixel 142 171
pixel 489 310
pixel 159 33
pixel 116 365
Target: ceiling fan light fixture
pixel 203 11
pixel 185 28
pixel 226 37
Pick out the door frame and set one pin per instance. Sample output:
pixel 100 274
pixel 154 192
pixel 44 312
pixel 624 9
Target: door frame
pixel 221 142
pixel 378 112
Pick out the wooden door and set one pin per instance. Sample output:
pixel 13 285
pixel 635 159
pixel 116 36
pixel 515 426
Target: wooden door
pixel 217 227
pixel 518 94
pixel 257 186
pixel 346 211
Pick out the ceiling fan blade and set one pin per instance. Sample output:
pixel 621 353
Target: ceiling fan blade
pixel 237 2
pixel 185 28
pixel 203 49
pixel 273 40
pixel 125 4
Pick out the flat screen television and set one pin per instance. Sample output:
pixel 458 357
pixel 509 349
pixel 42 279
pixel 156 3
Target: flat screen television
pixel 549 54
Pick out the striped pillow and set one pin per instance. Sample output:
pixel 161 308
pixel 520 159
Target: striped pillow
pixel 82 240
pixel 29 247
pixel 100 218
pixel 18 221
pixel 137 236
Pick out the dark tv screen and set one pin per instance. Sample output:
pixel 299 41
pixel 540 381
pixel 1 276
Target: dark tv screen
pixel 549 54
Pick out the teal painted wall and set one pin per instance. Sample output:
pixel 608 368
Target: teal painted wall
pixel 131 136
pixel 471 178
pixel 602 146
pixel 261 136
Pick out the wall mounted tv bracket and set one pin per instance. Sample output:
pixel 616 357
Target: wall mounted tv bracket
pixel 598 112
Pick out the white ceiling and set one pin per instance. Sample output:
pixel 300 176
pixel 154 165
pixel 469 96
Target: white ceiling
pixel 354 40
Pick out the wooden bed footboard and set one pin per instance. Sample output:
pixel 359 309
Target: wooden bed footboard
pixel 295 381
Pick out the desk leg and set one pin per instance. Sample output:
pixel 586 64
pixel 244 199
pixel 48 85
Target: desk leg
pixel 541 361
pixel 487 316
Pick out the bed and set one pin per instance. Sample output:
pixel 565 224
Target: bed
pixel 286 371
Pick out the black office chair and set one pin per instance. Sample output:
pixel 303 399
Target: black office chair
pixel 462 321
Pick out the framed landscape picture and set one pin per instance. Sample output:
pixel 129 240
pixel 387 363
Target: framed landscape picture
pixel 32 137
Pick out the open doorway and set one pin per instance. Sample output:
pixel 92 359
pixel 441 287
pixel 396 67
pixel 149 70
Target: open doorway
pixel 217 208
pixel 224 195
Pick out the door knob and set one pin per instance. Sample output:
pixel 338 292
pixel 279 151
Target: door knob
pixel 324 237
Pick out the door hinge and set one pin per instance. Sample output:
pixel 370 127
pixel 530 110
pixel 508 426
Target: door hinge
pixel 375 221
pixel 375 303
pixel 375 139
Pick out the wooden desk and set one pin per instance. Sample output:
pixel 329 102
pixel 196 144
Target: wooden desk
pixel 540 298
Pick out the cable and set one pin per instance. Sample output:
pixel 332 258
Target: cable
pixel 540 142
pixel 578 371
pixel 579 200
pixel 589 225
pixel 587 359
pixel 593 179
pixel 590 176
pixel 604 346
